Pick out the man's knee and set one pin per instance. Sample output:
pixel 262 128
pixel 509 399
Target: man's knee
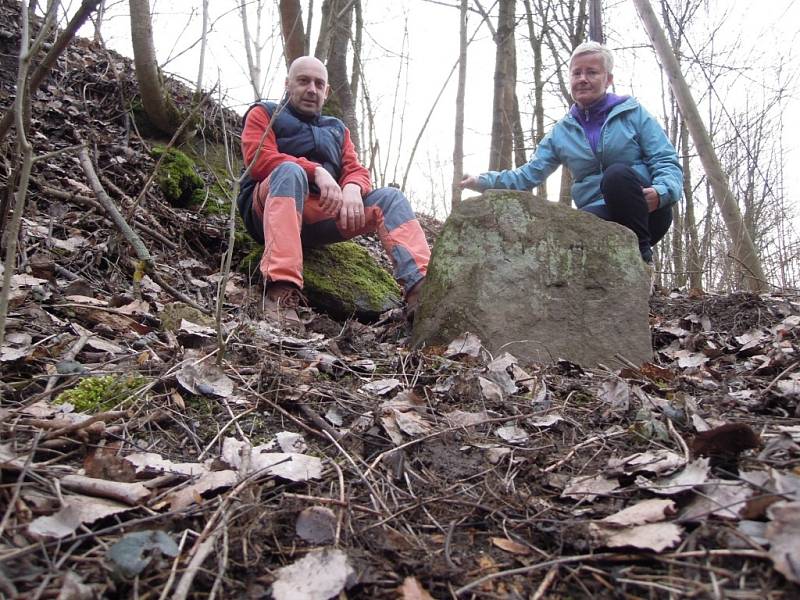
pixel 393 204
pixel 288 180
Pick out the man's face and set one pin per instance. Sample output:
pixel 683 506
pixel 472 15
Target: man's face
pixel 307 86
pixel 588 79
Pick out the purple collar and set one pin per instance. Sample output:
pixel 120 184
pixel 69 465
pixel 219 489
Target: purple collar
pixel 593 116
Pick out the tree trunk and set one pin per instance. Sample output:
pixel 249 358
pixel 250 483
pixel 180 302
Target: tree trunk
pixel 694 262
pixel 742 247
pixel 458 146
pixel 294 37
pixel 156 103
pixel 502 142
pixel 341 94
pixel 253 48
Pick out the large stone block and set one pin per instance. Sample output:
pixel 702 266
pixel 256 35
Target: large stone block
pixel 537 279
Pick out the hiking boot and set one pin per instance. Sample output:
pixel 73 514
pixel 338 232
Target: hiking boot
pixel 412 300
pixel 285 295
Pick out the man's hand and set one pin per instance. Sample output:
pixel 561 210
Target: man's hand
pixel 351 214
pixel 470 182
pixel 651 197
pixel 330 194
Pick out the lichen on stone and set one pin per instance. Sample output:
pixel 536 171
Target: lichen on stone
pixel 177 177
pixel 94 394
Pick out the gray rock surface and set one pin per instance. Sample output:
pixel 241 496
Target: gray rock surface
pixel 539 280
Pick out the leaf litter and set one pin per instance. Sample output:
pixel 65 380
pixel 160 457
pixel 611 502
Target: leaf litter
pixel 400 450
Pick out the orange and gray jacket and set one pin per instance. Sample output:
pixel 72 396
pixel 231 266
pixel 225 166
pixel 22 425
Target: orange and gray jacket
pixel 309 141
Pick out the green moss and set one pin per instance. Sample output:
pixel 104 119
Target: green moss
pixel 177 177
pixel 101 393
pixel 346 273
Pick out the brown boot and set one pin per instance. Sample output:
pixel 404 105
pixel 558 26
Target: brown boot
pixel 412 300
pixel 285 295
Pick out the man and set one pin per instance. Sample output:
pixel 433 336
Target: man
pixel 307 187
pixel 623 165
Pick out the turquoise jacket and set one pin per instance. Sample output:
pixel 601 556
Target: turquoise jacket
pixel 630 135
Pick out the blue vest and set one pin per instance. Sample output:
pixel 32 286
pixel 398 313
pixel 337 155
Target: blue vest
pixel 318 138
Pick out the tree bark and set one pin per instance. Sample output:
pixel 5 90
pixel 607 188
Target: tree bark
pixel 155 101
pixel 694 261
pixel 294 37
pixel 341 93
pixel 742 247
pixel 458 146
pixel 502 142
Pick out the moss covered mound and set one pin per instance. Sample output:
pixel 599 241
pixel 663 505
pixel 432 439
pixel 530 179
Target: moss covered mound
pixel 95 394
pixel 178 179
pixel 343 280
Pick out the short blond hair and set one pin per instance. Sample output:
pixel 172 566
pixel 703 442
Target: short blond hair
pixel 595 48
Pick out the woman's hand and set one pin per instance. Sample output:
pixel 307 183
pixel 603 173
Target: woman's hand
pixel 651 197
pixel 470 182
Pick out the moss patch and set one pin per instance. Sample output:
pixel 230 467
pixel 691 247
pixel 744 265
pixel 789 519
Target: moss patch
pixel 95 394
pixel 178 179
pixel 343 279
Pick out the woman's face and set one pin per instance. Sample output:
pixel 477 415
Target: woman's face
pixel 588 79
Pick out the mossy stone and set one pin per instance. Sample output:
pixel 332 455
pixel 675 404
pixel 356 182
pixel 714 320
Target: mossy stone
pixel 178 179
pixel 174 312
pixel 342 280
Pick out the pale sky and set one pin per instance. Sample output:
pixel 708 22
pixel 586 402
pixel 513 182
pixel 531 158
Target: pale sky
pixel 763 34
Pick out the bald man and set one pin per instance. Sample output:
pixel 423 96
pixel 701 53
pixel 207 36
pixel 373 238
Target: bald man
pixel 307 188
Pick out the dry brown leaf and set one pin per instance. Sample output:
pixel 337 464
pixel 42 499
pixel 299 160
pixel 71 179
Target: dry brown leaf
pixel 588 487
pixel 510 546
pixel 316 525
pixel 783 533
pixel 413 590
pixel 208 482
pixel 694 474
pixel 319 575
pixel 720 499
pixel 76 511
pixel 459 418
pixel 467 344
pixel 647 511
pixel 652 536
pixel 658 462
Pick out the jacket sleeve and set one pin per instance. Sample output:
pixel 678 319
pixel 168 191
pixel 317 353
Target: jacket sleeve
pixel 529 175
pixel 352 170
pixel 661 159
pixel 269 157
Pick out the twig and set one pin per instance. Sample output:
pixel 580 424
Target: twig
pixel 104 417
pixel 546 583
pixel 12 505
pixel 70 355
pixel 583 444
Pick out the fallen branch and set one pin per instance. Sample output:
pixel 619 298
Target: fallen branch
pixel 104 417
pixel 131 494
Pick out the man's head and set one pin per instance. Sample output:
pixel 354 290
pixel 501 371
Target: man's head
pixel 590 72
pixel 307 85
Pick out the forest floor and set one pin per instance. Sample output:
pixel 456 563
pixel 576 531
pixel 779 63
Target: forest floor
pixel 330 460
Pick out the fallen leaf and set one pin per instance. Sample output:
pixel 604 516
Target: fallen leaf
pixel 134 551
pixel 459 418
pixel 652 536
pixel 547 420
pixel 588 487
pixel 154 464
pixel 411 423
pixel 316 525
pixel 413 590
pixel 76 511
pixel 467 344
pixel 721 499
pixel 616 393
pixel 380 387
pixel 291 442
pixel 658 462
pixel 783 533
pixel 510 546
pixel 694 474
pixel 205 379
pixel 291 466
pixel 512 434
pixel 490 390
pixel 647 511
pixel 208 482
pixel 319 575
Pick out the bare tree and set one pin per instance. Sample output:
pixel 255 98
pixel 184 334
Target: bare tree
pixel 157 104
pixel 458 146
pixel 505 79
pixel 742 247
pixel 253 47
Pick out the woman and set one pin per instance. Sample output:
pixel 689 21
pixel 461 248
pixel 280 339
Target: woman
pixel 623 166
